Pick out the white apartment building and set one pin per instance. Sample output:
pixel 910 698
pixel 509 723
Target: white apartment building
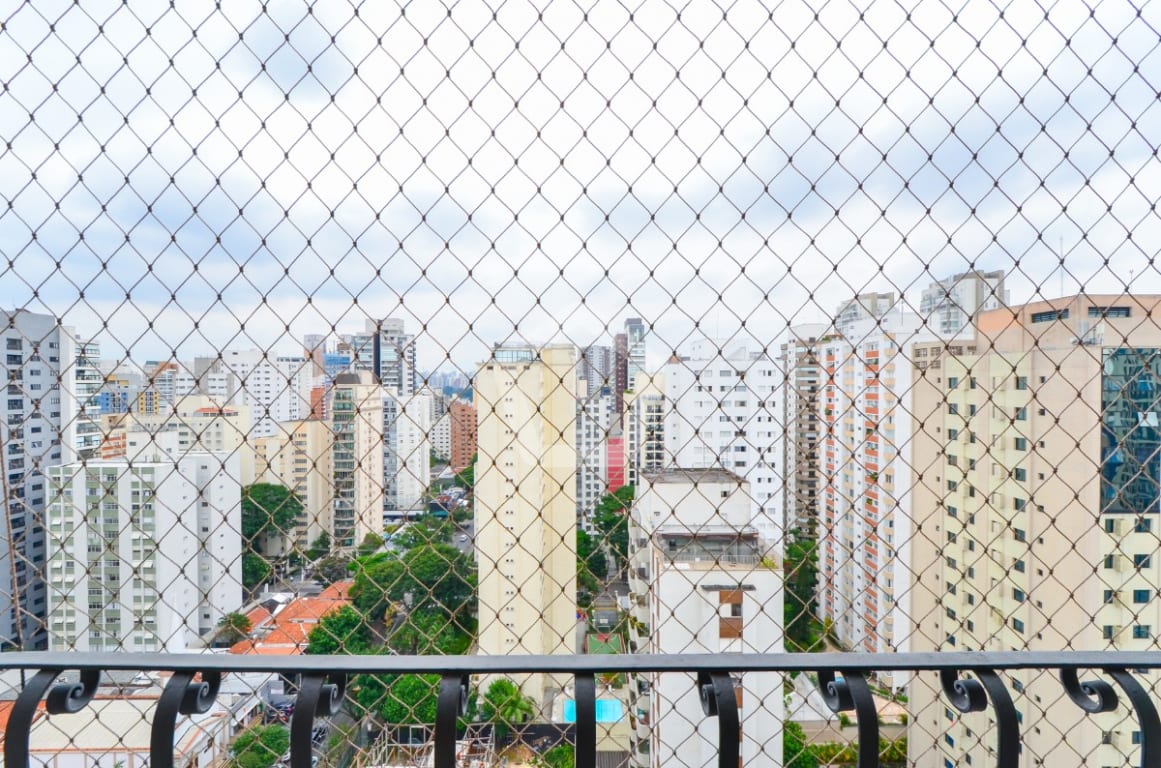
pixel 701 583
pixel 865 306
pixel 635 333
pixel 644 427
pixel 594 416
pixel 388 351
pixel 866 450
pixel 144 553
pixel 274 387
pixel 357 458
pixel 724 410
pixel 406 449
pixel 949 305
pixel 87 382
pixel 526 505
pixel 35 436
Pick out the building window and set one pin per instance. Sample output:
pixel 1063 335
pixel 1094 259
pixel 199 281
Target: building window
pixel 1142 561
pixel 1050 315
pixel 1142 631
pixel 1018 626
pixel 1021 382
pixel 1021 444
pixel 1142 595
pixel 1109 596
pixel 1021 414
pixel 1109 312
pixel 1021 474
pixel 1107 631
pixel 1018 595
pixel 952 382
pixel 1144 525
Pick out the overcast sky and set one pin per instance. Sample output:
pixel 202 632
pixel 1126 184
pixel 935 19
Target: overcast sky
pixel 191 178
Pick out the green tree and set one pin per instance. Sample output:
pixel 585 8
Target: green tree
pixel 505 706
pixel 590 555
pixel 430 633
pixel 799 608
pixel 436 575
pixel 231 628
pixel 796 753
pixel 319 547
pixel 340 631
pixel 331 569
pixel 466 477
pixel 611 518
pixel 268 510
pixel 400 700
pixel 560 756
pixel 376 579
pixel 370 544
pixel 255 570
pixel 260 746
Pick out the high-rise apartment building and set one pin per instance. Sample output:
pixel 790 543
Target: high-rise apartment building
pixel 865 507
pixel 525 497
pixel 87 381
pixel 949 305
pixel 406 449
pixel 594 417
pixel 463 437
pixel 276 388
pixel 357 460
pixel 798 358
pixel 388 351
pixel 298 457
pixel 723 410
pixel 598 367
pixel 1044 482
pixel 644 428
pixel 865 306
pixel 199 424
pixel 621 369
pixel 144 553
pixel 700 583
pixel 634 349
pixel 36 435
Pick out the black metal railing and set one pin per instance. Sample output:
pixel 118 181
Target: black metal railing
pixel 842 680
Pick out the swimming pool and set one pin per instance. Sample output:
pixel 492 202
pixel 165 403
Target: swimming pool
pixel 608 710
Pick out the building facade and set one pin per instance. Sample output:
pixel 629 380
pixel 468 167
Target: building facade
pixel 525 512
pixel 798 358
pixel 1046 489
pixel 701 583
pixel 463 428
pixel 143 554
pixel 299 458
pixel 36 438
pixel 406 449
pixel 357 458
pixel 723 410
pixel 388 351
pixel 949 305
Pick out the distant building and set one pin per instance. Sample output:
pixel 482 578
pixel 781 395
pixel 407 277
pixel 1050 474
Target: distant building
pixel 276 388
pixel 949 305
pixel 594 417
pixel 799 359
pixel 644 428
pixel 152 560
pixel 635 332
pixel 462 421
pixel 701 584
pixel 406 449
pixel 621 369
pixel 598 367
pixel 525 505
pixel 723 409
pixel 36 437
pixel 357 460
pixel 865 306
pixel 298 457
pixel 388 351
pixel 87 382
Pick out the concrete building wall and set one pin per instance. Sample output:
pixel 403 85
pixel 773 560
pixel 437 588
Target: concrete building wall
pixel 299 458
pixel 463 434
pixel 526 504
pixel 357 458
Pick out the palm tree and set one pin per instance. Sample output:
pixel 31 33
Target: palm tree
pixel 505 706
pixel 231 628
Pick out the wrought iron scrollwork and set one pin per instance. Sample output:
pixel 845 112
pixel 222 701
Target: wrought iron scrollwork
pixel 316 697
pixel 851 693
pixel 63 698
pixel 719 700
pixel 1091 695
pixel 1147 719
pixel 451 704
pixel 182 696
pixel 972 695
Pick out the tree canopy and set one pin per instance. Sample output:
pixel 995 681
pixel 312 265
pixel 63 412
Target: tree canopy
pixel 268 510
pixel 260 746
pixel 340 631
pixel 505 706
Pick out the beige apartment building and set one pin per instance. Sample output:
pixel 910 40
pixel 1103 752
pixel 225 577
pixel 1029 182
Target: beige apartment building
pixel 1044 532
pixel 357 458
pixel 526 505
pixel 201 423
pixel 298 456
